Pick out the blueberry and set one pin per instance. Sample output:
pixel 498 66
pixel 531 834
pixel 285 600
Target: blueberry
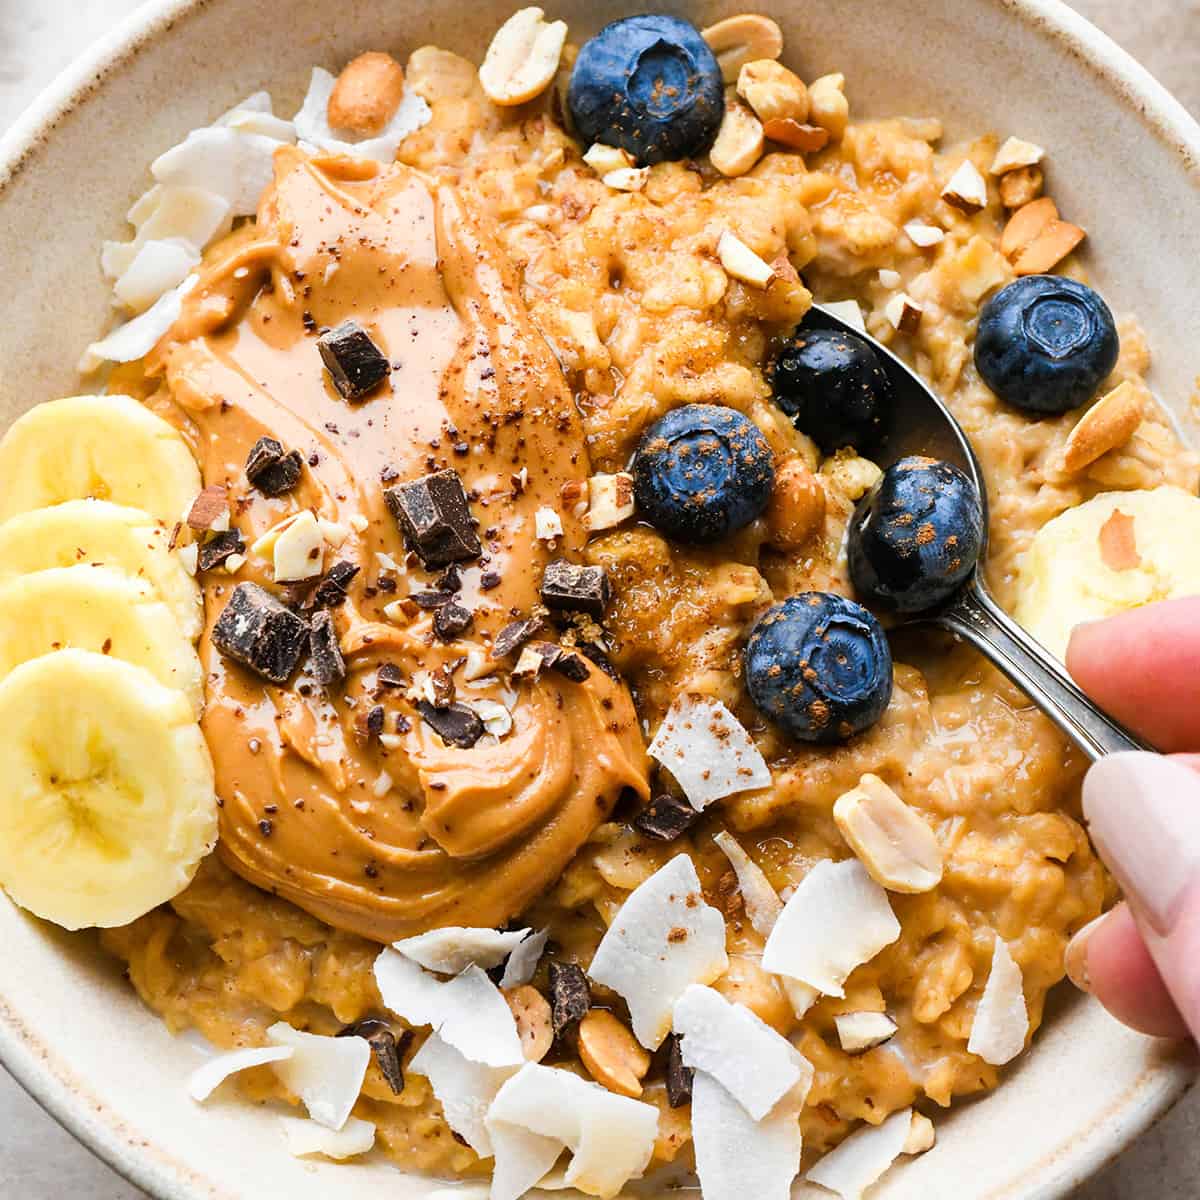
pixel 1045 343
pixel 819 667
pixel 915 536
pixel 833 386
pixel 702 472
pixel 650 85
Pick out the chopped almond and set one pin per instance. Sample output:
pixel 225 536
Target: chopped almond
pixel 1020 187
pixel 1025 225
pixel 904 313
pixel 209 512
pixel 797 136
pixel 742 263
pixel 1049 248
pixel 1109 423
pixel 966 189
pixel 1016 153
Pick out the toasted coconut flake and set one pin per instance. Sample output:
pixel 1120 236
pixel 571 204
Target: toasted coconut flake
pixel 312 123
pixel 1016 153
pixel 325 1072
pixel 742 263
pixel 966 189
pixel 859 1031
pixel 848 311
pixel 924 235
pixel 455 948
pixel 464 1088
pixel 135 339
pixel 308 1137
pixel 664 938
pixel 851 1168
pixel 205 1080
pixel 468 1012
pixel 1001 1019
pixel 708 751
pixel 738 1158
pixel 762 902
pixel 837 919
pixel 753 1063
pixel 523 961
pixel 611 1137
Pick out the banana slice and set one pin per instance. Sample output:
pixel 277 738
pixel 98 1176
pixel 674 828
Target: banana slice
pixel 1115 552
pixel 107 804
pixel 87 532
pixel 99 609
pixel 104 447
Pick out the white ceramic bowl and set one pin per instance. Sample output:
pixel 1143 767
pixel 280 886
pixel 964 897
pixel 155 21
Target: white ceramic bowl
pixel 1125 160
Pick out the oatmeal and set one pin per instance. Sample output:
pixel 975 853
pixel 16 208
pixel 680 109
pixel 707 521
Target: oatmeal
pixel 469 584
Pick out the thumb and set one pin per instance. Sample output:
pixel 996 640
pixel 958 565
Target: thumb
pixel 1143 813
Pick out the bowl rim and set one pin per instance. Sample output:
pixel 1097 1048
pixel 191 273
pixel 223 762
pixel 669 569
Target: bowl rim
pixel 32 1063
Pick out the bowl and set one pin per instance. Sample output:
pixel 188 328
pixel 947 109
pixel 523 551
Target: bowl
pixel 1122 152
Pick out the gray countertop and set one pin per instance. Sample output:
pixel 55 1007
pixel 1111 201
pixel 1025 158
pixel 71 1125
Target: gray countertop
pixel 40 1161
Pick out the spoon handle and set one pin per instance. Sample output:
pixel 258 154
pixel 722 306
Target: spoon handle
pixel 977 618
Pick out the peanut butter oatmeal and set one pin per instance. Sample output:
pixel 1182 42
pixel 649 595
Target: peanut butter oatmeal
pixel 490 324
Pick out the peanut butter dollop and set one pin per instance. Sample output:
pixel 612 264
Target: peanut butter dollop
pixel 388 836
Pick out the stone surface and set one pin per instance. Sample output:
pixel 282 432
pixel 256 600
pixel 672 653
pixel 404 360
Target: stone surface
pixel 38 1159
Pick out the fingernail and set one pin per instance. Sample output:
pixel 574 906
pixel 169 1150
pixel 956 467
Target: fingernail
pixel 1075 960
pixel 1143 813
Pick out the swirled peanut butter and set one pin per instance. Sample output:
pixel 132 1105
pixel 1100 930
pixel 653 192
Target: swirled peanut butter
pixel 344 799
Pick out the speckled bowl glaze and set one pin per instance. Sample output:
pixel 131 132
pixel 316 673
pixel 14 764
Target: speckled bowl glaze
pixel 1125 157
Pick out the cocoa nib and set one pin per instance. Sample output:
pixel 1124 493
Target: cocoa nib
pixel 679 1076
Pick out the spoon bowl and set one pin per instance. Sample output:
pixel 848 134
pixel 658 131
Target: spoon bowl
pixel 921 424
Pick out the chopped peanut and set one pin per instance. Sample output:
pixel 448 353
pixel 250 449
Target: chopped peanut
pixel 367 93
pixel 739 143
pixel 1025 225
pixel 774 92
pixel 894 842
pixel 535 1027
pixel 827 104
pixel 523 58
pixel 796 136
pixel 1021 186
pixel 1049 248
pixel 748 37
pixel 1109 423
pixel 612 1054
pixel 797 508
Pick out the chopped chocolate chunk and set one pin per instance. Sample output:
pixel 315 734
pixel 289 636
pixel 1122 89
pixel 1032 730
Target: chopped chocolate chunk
pixel 456 725
pixel 593 652
pixel 271 470
pixel 570 996
pixel 210 509
pixel 679 1076
pixel 489 580
pixel 664 819
pixel 442 683
pixel 512 637
pixel 355 364
pixel 536 658
pixel 569 587
pixel 434 518
pixel 259 632
pixel 452 620
pixel 387 1048
pixel 218 548
pixel 572 666
pixel 375 719
pixel 328 665
pixel 389 675
pixel 403 725
pixel 451 579
pixel 265 827
pixel 331 591
pixel 430 599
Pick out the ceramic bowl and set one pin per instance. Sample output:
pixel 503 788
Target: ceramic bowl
pixel 1124 161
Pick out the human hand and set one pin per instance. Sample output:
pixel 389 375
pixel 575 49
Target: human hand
pixel 1141 960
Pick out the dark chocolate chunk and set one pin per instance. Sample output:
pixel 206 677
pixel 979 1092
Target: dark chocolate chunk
pixel 569 587
pixel 331 591
pixel 452 620
pixel 489 580
pixel 375 719
pixel 572 666
pixel 259 632
pixel 387 1048
pixel 328 665
pixel 536 658
pixel 271 470
pixel 450 579
pixel 664 819
pixel 430 599
pixel 208 508
pixel 512 637
pixel 218 548
pixel 570 996
pixel 456 725
pixel 355 364
pixel 389 675
pixel 593 652
pixel 679 1075
pixel 434 518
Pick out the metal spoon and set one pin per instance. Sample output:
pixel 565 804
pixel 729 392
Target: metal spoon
pixel 922 424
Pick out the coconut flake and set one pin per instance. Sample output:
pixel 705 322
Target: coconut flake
pixel 523 1160
pixel 851 1168
pixel 708 751
pixel 753 1063
pixel 837 919
pixel 205 1080
pixel 308 1137
pixel 611 1137
pixel 762 902
pixel 800 996
pixel 188 214
pixel 159 266
pixel 664 938
pixel 468 1012
pixel 453 949
pixel 325 1072
pixel 1001 1019
pixel 859 1031
pixel 135 339
pixel 312 123
pixel 237 166
pixel 523 961
pixel 737 1157
pixel 464 1088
